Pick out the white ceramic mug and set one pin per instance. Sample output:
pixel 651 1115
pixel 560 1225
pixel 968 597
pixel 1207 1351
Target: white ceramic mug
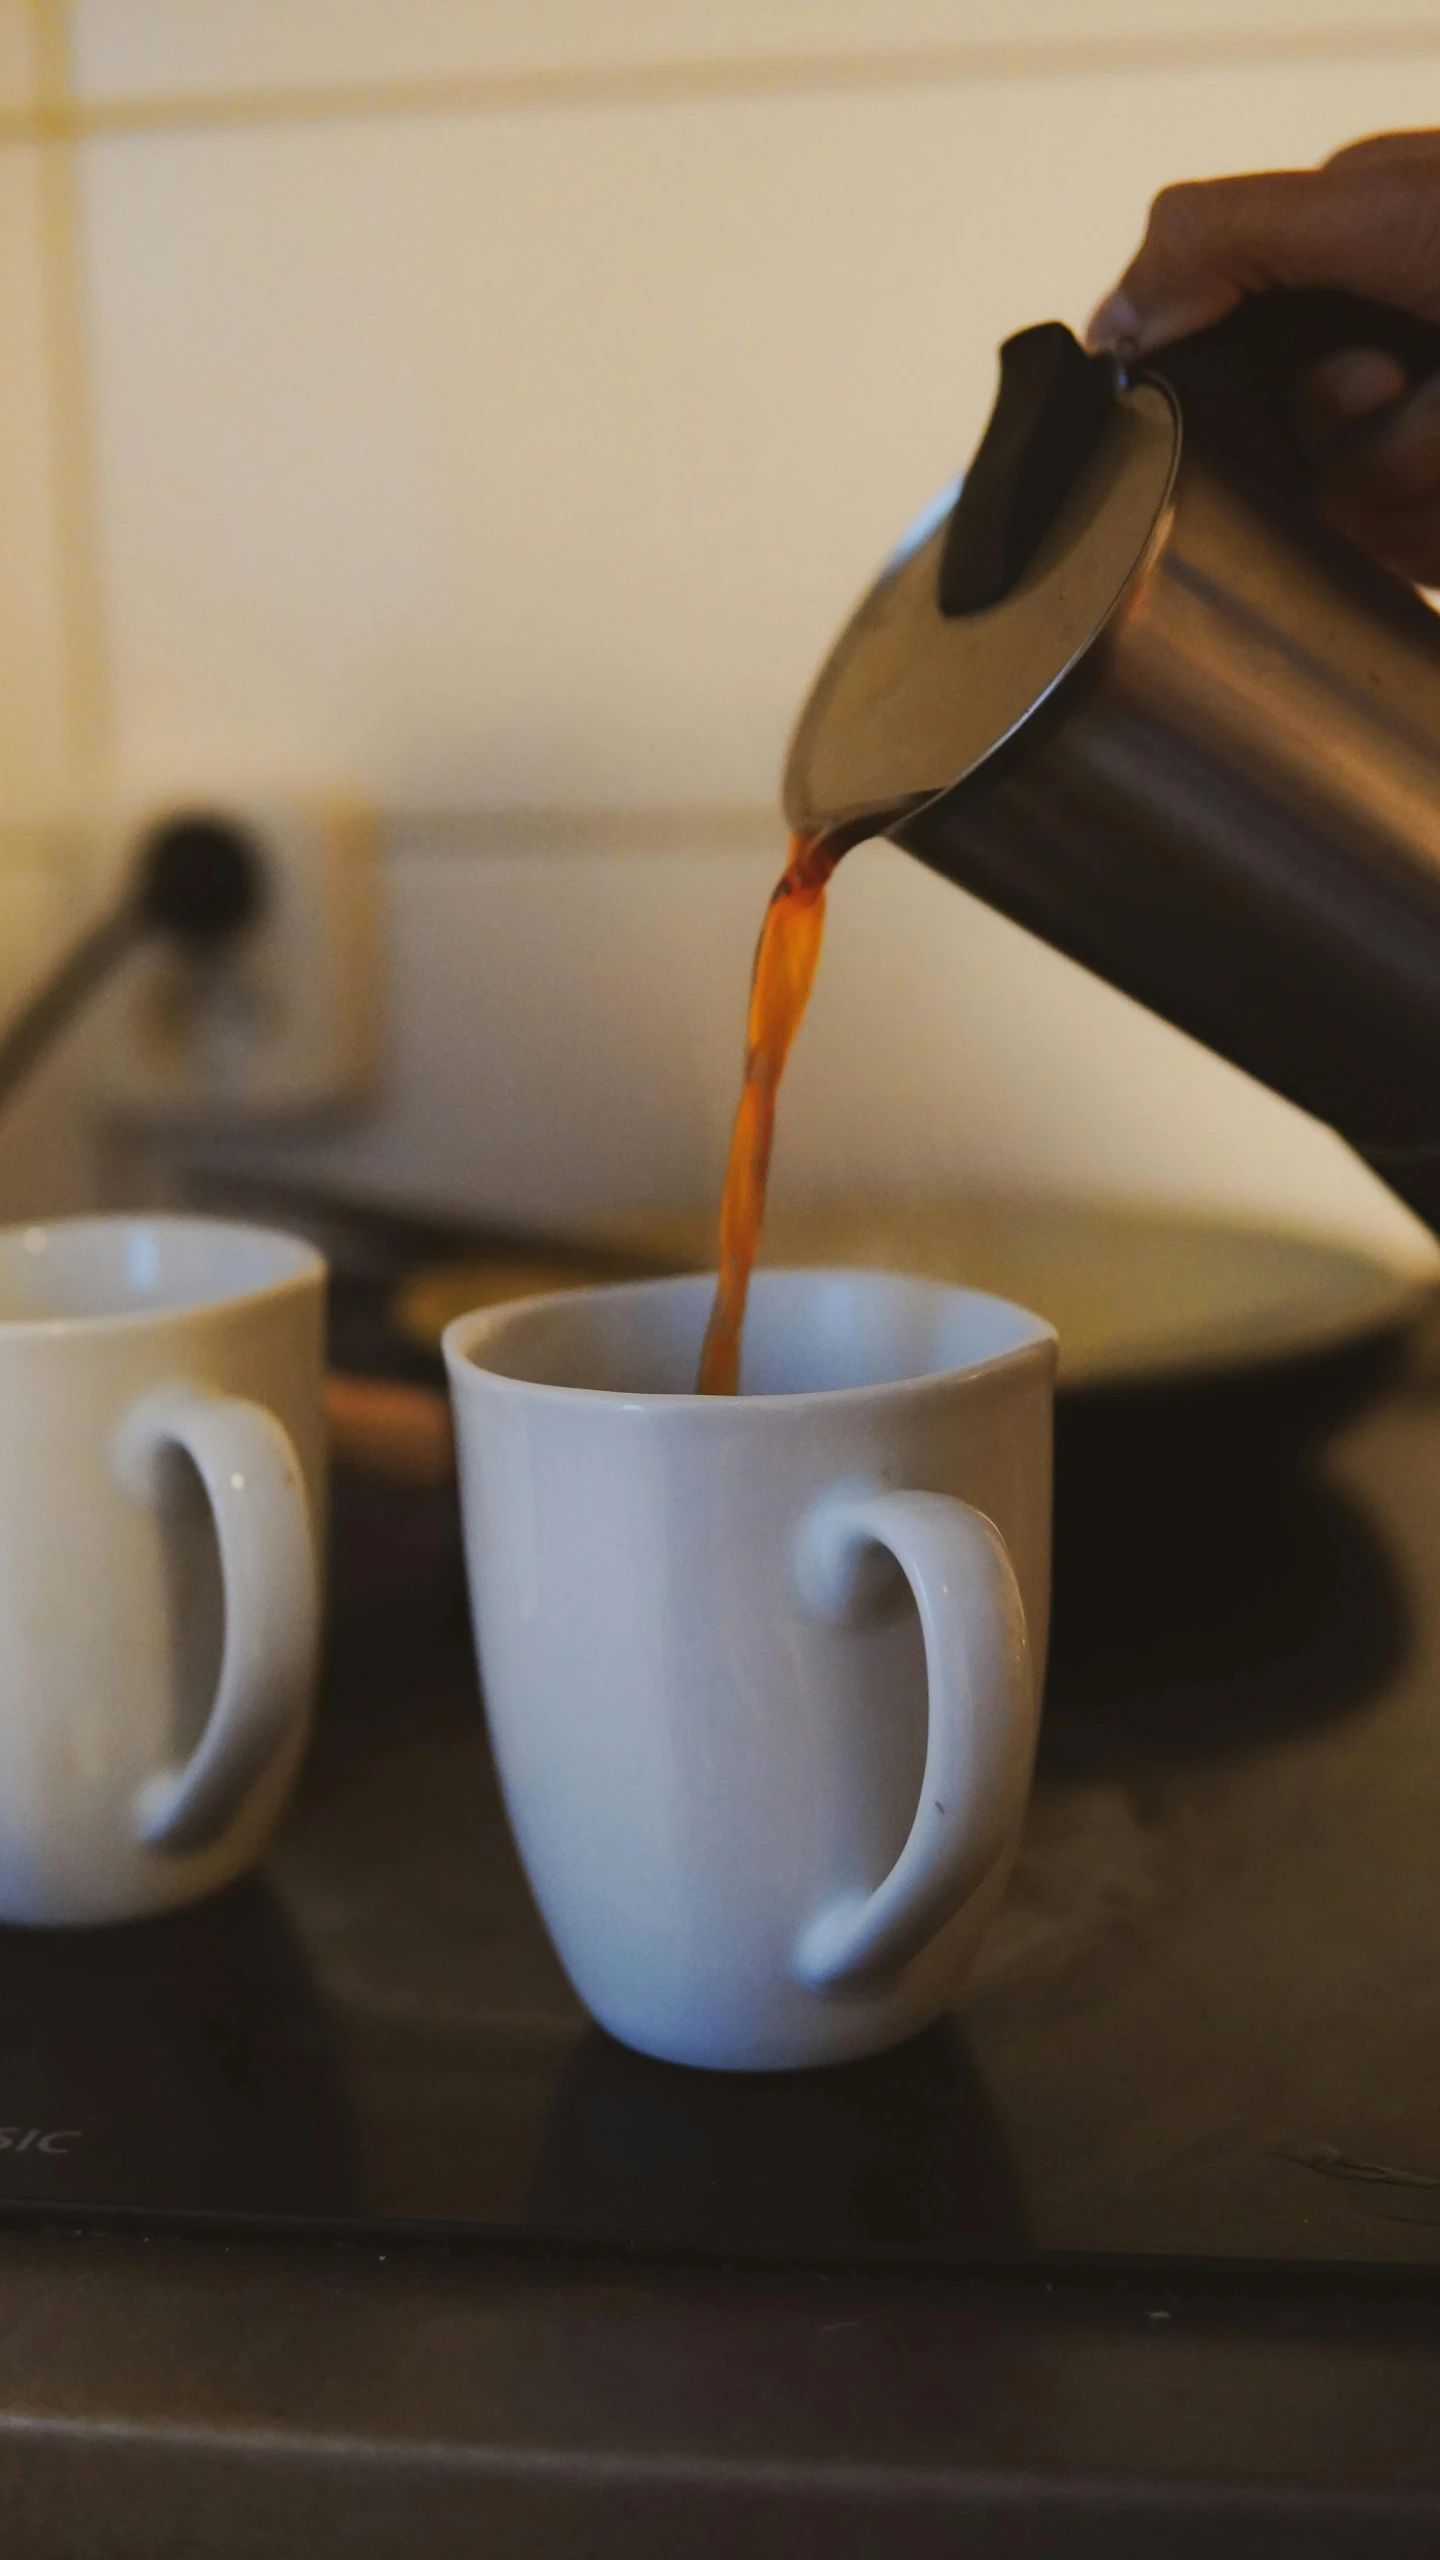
pixel 161 1498
pixel 761 1672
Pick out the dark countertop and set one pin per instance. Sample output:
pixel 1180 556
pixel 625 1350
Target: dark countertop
pixel 243 2399
pixel 1138 2251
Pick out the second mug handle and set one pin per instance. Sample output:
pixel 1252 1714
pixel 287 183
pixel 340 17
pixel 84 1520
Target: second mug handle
pixel 982 1718
pixel 256 1489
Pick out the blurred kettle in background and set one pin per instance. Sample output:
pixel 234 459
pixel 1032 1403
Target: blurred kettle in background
pixel 1124 685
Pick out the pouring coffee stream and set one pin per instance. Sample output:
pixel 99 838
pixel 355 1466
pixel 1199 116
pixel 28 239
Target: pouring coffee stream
pixel 1128 688
pixel 785 963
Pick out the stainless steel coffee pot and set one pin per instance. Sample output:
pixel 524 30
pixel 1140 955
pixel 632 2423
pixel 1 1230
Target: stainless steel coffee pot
pixel 1123 684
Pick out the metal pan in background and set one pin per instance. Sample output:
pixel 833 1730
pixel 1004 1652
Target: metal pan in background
pixel 1141 1299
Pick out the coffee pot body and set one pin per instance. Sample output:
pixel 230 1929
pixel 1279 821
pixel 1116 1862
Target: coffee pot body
pixel 1131 691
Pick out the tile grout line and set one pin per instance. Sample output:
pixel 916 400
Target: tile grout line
pixel 59 116
pixel 70 393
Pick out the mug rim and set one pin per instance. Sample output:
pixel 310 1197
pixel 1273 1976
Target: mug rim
pixel 307 1267
pixel 465 1331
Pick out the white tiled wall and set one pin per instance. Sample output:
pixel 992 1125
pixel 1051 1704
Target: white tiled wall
pixel 489 409
pixel 129 48
pixel 533 457
pixel 575 1018
pixel 34 743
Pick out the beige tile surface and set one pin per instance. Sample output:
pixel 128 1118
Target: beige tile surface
pixel 35 708
pixel 535 458
pixel 18 49
pixel 34 715
pixel 566 1042
pixel 479 455
pixel 130 48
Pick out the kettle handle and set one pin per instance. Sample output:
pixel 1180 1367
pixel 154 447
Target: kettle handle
pixel 1236 382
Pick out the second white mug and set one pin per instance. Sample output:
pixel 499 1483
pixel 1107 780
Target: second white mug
pixel 162 1475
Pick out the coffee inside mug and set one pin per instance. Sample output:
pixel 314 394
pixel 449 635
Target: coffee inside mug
pixel 97 1269
pixel 807 1333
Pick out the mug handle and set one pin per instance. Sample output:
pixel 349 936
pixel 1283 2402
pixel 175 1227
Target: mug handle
pixel 256 1489
pixel 982 1711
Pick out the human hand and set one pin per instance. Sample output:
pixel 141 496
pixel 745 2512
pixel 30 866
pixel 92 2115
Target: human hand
pixel 1368 220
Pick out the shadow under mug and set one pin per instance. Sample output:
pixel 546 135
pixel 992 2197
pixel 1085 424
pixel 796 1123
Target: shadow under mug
pixel 161 1504
pixel 761 1672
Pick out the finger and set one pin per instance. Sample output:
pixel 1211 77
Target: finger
pixel 1340 394
pixel 1423 144
pixel 1395 465
pixel 1373 230
pixel 1198 256
pixel 1383 491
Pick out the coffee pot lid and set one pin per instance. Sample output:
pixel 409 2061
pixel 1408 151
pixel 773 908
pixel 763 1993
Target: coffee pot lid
pixel 996 591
